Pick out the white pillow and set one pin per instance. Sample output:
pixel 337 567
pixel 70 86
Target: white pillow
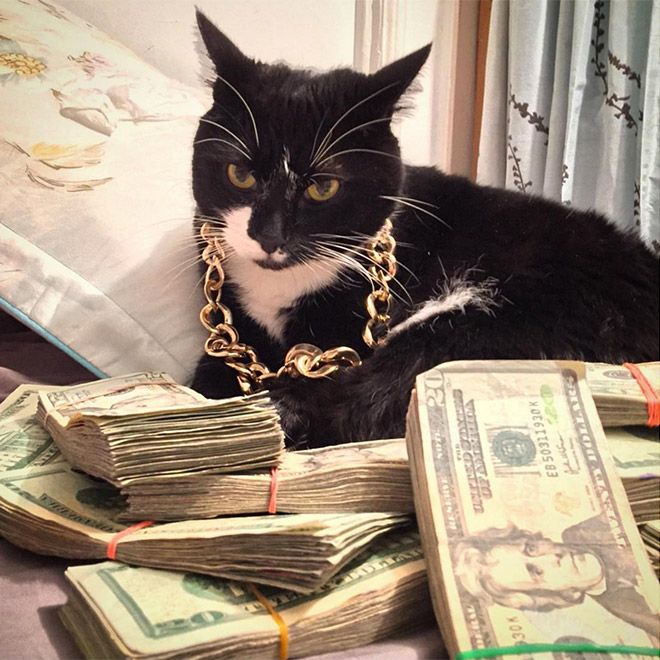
pixel 96 243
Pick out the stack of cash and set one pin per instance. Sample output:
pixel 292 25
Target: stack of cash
pixel 123 428
pixel 365 476
pixel 636 454
pixel 617 395
pixel 23 441
pixel 131 429
pixel 120 611
pixel 650 533
pixel 360 477
pixel 353 478
pixel 47 507
pixel 526 531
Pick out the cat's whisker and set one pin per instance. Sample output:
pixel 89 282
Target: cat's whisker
pixel 216 229
pixel 358 250
pixel 347 261
pixel 231 144
pixel 216 232
pixel 180 252
pixel 201 216
pixel 395 280
pixel 360 244
pixel 331 175
pixel 354 151
pixel 367 237
pixel 224 128
pixel 348 248
pixel 343 135
pixel 417 201
pixel 316 135
pixel 328 135
pixel 422 221
pixel 360 239
pixel 177 271
pixel 181 248
pixel 401 265
pixel 230 253
pixel 175 247
pixel 341 257
pixel 403 201
pixel 340 278
pixel 215 221
pixel 245 103
pixel 183 266
pixel 186 264
pixel 198 214
pixel 198 283
pixel 313 264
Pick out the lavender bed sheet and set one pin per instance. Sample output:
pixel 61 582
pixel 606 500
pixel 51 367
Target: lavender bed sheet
pixel 32 587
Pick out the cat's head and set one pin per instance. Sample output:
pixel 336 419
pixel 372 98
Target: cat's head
pixel 288 160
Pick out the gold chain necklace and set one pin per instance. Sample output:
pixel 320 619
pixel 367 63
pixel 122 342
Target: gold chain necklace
pixel 302 359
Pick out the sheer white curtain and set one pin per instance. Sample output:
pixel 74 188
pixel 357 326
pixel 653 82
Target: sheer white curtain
pixel 572 106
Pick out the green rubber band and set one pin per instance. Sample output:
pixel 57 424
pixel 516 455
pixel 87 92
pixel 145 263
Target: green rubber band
pixel 549 648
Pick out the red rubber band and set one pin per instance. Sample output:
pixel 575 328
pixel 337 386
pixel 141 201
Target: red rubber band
pixel 272 502
pixel 652 398
pixel 111 551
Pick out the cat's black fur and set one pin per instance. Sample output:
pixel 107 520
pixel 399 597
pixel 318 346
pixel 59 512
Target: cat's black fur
pixel 520 276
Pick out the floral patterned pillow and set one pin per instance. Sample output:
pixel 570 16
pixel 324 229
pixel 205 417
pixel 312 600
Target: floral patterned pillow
pixel 96 208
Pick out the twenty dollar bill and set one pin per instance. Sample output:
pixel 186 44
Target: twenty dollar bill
pixel 526 530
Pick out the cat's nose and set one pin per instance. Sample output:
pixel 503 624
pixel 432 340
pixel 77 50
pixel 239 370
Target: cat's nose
pixel 270 244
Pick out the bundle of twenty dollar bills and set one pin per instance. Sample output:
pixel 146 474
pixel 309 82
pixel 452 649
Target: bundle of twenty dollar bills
pixel 528 536
pixel 166 448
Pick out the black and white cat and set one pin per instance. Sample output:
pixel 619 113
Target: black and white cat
pixel 297 170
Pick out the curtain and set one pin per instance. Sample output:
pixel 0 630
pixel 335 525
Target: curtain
pixel 572 106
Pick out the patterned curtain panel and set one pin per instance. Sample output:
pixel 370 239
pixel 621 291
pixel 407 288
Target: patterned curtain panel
pixel 572 106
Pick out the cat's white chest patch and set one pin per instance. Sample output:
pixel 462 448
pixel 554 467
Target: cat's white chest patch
pixel 265 294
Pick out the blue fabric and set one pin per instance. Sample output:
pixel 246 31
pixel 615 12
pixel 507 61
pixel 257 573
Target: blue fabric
pixel 572 106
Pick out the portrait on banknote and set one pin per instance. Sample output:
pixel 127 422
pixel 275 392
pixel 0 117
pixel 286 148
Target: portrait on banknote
pixel 527 570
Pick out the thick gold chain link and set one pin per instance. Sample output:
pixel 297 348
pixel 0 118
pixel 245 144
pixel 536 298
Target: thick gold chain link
pixel 223 340
pixel 382 270
pixel 302 359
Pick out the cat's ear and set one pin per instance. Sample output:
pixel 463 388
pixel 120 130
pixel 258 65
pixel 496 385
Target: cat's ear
pixel 229 61
pixel 391 82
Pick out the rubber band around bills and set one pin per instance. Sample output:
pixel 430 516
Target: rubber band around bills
pixel 111 550
pixel 524 649
pixel 281 623
pixel 652 397
pixel 272 501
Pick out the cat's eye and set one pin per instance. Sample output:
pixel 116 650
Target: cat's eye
pixel 322 191
pixel 240 177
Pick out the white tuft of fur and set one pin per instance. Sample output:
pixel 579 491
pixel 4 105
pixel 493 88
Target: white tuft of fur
pixel 265 295
pixel 457 294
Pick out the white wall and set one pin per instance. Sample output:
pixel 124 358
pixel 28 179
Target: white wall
pixel 164 32
pixel 311 33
